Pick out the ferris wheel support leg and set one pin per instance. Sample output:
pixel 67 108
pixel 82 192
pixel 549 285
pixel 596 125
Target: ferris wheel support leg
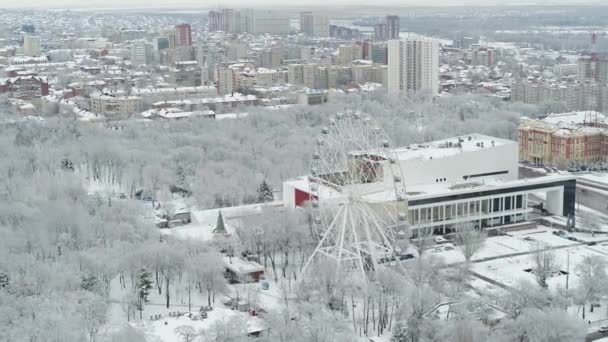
pixel 372 251
pixel 385 240
pixel 341 243
pixel 359 258
pixel 320 244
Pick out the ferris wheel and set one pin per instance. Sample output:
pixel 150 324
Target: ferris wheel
pixel 357 196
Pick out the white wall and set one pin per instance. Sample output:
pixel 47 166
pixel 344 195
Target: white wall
pixel 453 168
pixel 555 202
pixel 394 66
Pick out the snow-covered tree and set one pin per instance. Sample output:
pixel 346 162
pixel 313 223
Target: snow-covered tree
pixel 186 332
pixel 470 240
pixel 544 265
pixel 399 333
pixel 220 228
pixel 593 281
pixel 546 325
pixel 265 193
pixel 143 286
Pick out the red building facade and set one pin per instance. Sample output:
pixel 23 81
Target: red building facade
pixel 184 35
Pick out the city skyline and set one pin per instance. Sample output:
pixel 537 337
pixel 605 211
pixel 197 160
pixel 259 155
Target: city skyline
pixel 137 4
pixel 403 171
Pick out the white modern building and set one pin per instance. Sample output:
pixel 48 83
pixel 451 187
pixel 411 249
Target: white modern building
pixel 413 66
pixel 472 178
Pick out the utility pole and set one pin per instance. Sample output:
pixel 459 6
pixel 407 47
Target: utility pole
pixel 567 270
pixel 567 276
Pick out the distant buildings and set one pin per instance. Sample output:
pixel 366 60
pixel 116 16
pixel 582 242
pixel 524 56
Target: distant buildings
pixel 563 139
pixel 483 56
pixel 344 33
pixel 24 87
pixel 379 53
pixel 593 69
pixel 565 69
pixel 142 53
pixel 225 79
pixel 188 74
pixel 114 105
pixel 28 28
pixel 184 35
pixel 248 20
pixel 312 97
pixel 31 45
pixel 215 21
pixel 387 30
pixel 349 53
pixel 28 61
pixel 413 66
pixel 295 74
pixel 392 27
pixel 380 31
pixel 231 20
pixel 314 25
pixel 574 95
pixel 264 21
pixel 370 73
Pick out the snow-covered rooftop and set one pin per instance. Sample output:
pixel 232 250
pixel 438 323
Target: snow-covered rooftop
pixel 240 266
pixel 449 147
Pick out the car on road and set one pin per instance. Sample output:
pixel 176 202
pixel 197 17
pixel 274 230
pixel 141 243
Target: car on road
pixel 591 243
pixel 571 238
pixel 529 238
pixel 603 329
pixel 560 233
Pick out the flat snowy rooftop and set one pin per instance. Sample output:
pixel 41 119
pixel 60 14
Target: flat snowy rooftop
pixel 449 147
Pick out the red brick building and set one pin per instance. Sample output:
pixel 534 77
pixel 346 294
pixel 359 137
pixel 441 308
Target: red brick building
pixel 25 87
pixel 184 35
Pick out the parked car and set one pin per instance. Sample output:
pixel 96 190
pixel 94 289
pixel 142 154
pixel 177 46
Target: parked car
pixel 603 329
pixel 529 238
pixel 591 243
pixel 559 233
pixel 571 238
pixel 440 239
pixel 406 256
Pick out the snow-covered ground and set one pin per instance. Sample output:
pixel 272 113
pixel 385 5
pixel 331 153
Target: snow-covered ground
pixel 513 270
pixel 163 329
pixel 204 221
pixel 525 241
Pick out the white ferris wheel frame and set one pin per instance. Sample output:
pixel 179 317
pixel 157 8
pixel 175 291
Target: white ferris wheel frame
pixel 352 232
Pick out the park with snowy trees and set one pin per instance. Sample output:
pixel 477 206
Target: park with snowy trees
pixel 81 258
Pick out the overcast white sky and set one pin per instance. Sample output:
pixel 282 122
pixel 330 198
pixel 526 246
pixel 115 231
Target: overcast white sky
pixel 265 3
